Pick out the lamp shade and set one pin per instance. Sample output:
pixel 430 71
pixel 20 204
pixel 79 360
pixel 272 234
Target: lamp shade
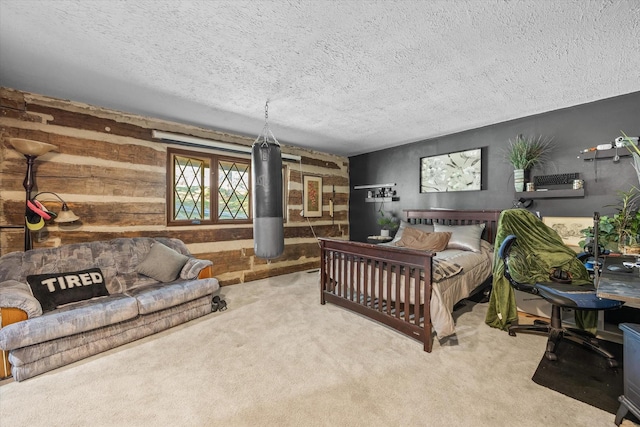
pixel 29 147
pixel 66 215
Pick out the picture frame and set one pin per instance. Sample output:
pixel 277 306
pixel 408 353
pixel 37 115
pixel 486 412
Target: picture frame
pixel 455 171
pixel 568 227
pixel 312 196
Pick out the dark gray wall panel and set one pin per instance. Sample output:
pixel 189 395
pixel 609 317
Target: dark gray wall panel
pixel 573 129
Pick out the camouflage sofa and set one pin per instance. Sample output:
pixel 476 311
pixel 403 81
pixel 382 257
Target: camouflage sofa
pixel 85 298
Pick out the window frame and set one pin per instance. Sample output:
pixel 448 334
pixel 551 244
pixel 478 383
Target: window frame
pixel 213 160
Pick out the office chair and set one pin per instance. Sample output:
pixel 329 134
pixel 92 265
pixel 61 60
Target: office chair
pixel 560 295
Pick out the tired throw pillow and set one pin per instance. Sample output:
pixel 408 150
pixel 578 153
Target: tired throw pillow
pixel 162 263
pixel 465 237
pixel 416 239
pixel 55 289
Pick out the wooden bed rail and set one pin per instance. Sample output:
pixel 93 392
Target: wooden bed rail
pixel 374 281
pixel 388 284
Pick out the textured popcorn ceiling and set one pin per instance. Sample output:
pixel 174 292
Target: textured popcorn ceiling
pixel 346 77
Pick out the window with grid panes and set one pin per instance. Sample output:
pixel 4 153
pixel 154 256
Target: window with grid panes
pixel 207 188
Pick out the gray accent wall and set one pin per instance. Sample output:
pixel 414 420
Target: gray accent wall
pixel 573 130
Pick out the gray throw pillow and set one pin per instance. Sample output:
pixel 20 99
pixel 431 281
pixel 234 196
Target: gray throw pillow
pixel 465 237
pixel 162 263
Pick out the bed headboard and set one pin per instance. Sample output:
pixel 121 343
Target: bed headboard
pixel 453 217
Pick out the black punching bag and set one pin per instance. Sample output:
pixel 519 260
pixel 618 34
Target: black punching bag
pixel 266 182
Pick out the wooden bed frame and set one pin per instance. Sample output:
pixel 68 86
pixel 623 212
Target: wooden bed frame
pixel 352 285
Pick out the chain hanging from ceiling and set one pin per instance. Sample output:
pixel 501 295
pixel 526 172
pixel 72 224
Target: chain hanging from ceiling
pixel 266 136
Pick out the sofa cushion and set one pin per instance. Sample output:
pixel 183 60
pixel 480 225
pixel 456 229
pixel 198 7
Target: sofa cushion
pixel 55 289
pixel 68 320
pixel 162 263
pixel 72 257
pixel 159 296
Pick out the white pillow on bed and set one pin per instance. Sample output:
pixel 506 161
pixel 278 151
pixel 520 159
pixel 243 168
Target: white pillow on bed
pixel 427 228
pixel 465 237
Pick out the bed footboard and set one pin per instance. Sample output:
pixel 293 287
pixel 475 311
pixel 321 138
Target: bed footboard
pixel 375 281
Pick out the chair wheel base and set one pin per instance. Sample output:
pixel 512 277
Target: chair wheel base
pixel 612 363
pixel 550 356
pixel 512 333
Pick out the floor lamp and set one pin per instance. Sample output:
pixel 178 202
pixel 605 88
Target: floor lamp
pixel 31 150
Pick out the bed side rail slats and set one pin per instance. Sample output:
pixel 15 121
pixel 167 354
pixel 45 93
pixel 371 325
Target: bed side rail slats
pixel 385 280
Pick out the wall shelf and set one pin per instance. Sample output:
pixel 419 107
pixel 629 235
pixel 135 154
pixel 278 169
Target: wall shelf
pixel 381 199
pixel 605 154
pixel 379 192
pixel 550 194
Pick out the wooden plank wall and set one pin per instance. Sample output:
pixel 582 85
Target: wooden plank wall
pixel 112 174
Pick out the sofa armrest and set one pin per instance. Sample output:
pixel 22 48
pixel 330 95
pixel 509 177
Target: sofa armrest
pixel 14 294
pixel 206 273
pixel 193 268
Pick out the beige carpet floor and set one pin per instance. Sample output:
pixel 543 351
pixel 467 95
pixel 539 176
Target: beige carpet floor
pixel 277 357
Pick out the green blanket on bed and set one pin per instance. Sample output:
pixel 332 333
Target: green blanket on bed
pixel 538 250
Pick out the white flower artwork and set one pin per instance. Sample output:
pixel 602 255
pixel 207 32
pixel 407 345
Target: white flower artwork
pixel 459 171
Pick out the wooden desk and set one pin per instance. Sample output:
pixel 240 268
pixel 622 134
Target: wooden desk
pixel 621 286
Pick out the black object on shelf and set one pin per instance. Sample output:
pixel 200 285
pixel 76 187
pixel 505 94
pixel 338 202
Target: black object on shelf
pixel 558 179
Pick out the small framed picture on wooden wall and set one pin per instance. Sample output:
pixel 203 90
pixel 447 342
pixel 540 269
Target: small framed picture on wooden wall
pixel 312 196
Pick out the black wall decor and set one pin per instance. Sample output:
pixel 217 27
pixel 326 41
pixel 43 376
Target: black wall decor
pixel 573 130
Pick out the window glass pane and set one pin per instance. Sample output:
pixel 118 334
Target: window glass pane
pixel 190 189
pixel 233 190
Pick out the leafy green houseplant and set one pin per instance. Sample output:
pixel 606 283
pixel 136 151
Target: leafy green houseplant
pixel 620 232
pixel 527 152
pixel 524 153
pixel 387 223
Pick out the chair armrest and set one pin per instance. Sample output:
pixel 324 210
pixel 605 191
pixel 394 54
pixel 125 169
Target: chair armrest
pixel 14 294
pixel 193 268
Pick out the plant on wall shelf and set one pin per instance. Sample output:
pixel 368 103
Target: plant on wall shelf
pixel 527 152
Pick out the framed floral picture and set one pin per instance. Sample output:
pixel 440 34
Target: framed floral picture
pixel 458 171
pixel 312 196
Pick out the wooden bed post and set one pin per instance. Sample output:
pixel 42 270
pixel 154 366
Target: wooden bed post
pixel 323 271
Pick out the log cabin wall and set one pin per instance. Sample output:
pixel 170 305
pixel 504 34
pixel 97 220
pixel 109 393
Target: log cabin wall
pixel 112 174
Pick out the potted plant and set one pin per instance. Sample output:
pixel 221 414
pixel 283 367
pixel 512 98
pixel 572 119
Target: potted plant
pixel 627 222
pixel 620 232
pixel 524 153
pixel 387 223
